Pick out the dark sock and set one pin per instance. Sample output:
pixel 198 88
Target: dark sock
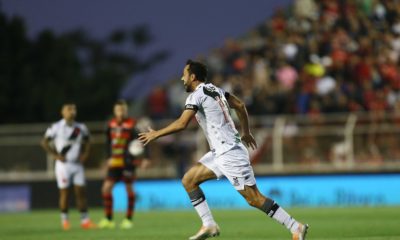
pixel 269 207
pixel 108 206
pixel 197 197
pixel 84 214
pixel 64 214
pixel 131 206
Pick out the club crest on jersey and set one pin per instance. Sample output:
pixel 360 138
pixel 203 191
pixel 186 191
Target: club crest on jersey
pixel 77 131
pixel 212 92
pixel 236 181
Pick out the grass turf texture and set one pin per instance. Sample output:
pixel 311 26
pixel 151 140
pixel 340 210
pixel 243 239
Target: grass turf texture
pixel 326 223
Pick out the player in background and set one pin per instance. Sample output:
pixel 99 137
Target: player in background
pixel 67 141
pixel 228 156
pixel 121 163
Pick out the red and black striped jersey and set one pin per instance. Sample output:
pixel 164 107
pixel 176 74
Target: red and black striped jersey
pixel 119 135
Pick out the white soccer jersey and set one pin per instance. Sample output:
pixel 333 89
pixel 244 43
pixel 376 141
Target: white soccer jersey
pixel 212 114
pixel 68 138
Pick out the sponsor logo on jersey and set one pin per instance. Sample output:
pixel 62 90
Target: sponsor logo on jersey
pixel 191 107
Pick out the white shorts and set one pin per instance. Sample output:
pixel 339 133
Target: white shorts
pixel 233 164
pixel 67 172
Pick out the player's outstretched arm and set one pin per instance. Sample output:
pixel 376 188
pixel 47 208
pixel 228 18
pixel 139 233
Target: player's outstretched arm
pixel 176 126
pixel 241 111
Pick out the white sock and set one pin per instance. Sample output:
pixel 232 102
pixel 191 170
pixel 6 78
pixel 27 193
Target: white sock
pixel 284 218
pixel 205 214
pixel 200 204
pixel 64 216
pixel 84 216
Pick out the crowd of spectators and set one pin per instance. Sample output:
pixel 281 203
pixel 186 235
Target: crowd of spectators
pixel 318 56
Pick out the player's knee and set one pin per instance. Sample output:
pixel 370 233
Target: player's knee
pixel 188 182
pixel 185 181
pixel 106 189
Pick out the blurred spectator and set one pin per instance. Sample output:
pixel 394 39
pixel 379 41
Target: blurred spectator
pixel 286 76
pixel 326 56
pixel 325 85
pixel 175 97
pixel 157 106
pixel 306 8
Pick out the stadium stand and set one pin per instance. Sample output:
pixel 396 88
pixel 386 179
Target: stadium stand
pixel 316 57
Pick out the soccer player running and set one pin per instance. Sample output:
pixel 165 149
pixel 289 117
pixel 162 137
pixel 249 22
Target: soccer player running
pixel 121 166
pixel 67 142
pixel 228 156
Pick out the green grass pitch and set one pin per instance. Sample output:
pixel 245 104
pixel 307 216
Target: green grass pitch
pixel 373 223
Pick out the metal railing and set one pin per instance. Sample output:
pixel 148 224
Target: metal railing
pixel 330 143
pixel 287 144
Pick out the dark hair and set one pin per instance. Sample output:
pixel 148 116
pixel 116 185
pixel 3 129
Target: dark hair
pixel 121 102
pixel 67 103
pixel 198 69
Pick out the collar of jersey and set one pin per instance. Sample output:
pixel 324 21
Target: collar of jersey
pixel 64 123
pixel 199 86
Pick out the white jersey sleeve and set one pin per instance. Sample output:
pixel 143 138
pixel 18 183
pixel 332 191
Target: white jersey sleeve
pixel 50 132
pixel 85 132
pixel 193 102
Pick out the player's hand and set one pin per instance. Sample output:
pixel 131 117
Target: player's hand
pixel 59 157
pixel 147 137
pixel 249 140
